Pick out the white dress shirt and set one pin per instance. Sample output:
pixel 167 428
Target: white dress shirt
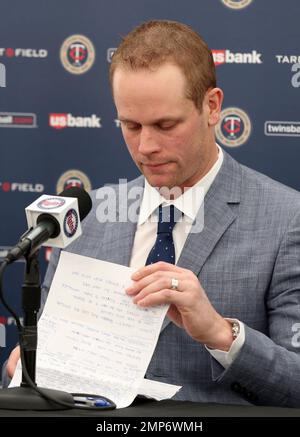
pixel 188 203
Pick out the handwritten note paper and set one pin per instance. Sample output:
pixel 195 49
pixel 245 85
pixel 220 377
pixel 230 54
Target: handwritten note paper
pixel 92 338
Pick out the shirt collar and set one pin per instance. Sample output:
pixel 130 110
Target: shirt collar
pixel 188 203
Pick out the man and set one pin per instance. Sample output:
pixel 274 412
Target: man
pixel 234 291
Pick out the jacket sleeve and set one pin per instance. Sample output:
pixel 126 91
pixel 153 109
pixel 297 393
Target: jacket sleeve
pixel 267 369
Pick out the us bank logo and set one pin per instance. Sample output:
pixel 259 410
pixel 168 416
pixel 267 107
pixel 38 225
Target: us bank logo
pixel 61 121
pixel 228 57
pixel 236 4
pixel 77 54
pixel 234 127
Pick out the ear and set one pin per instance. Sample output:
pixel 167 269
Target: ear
pixel 214 99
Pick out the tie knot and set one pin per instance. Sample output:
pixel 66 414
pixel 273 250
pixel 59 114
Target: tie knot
pixel 168 216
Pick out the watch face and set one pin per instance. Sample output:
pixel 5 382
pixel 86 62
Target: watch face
pixel 235 329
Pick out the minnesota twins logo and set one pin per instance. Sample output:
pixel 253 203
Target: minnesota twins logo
pixel 73 178
pixel 234 127
pixel 51 203
pixel 236 4
pixel 77 54
pixel 70 223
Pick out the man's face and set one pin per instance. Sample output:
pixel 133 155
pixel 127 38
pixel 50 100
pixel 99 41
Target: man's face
pixel 170 141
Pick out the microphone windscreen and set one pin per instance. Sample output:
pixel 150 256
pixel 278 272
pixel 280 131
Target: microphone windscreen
pixel 83 198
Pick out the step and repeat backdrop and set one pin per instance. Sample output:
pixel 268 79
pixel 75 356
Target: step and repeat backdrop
pixel 58 125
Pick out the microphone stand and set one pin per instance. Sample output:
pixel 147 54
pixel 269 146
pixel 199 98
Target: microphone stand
pixel 26 397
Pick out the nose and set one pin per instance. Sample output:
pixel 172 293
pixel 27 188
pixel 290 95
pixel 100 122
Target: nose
pixel 148 143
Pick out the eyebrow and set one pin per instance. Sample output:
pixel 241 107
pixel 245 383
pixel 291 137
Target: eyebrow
pixel 157 121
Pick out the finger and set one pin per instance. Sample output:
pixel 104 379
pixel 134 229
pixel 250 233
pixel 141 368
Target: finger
pixel 165 296
pixel 165 277
pixel 12 361
pixel 162 283
pixel 152 268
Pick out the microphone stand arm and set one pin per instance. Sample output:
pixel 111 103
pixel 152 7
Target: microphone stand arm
pixel 31 303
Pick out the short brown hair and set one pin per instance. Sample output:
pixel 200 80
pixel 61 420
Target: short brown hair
pixel 159 41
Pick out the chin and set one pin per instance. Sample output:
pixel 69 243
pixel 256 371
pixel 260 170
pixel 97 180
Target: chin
pixel 158 182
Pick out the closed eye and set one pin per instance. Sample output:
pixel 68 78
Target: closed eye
pixel 130 125
pixel 163 125
pixel 166 126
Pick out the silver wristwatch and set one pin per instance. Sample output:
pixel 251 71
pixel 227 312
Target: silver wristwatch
pixel 235 329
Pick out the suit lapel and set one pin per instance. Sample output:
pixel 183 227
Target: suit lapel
pixel 219 213
pixel 118 242
pixel 119 236
pixel 198 247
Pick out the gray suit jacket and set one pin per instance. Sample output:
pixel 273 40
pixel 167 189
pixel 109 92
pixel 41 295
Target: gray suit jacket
pixel 247 258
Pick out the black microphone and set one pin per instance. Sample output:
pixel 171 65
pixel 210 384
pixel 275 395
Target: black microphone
pixel 53 218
